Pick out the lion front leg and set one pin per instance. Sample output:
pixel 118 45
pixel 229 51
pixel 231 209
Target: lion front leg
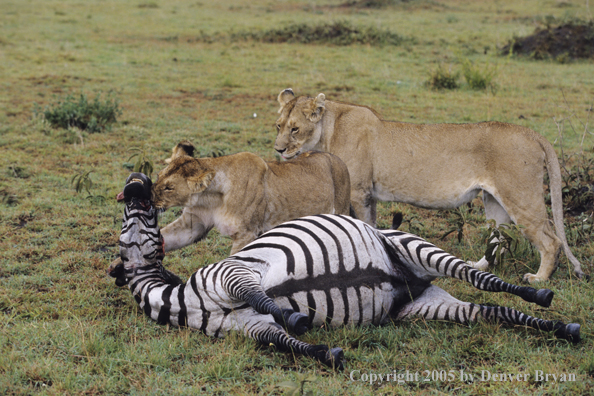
pixel 242 239
pixel 185 230
pixel 364 204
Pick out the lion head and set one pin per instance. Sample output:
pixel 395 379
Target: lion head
pixel 299 125
pixel 182 178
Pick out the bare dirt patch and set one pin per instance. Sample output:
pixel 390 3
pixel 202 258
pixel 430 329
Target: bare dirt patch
pixel 572 40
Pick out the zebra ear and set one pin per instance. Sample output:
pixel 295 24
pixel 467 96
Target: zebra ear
pixel 396 220
pixel 200 183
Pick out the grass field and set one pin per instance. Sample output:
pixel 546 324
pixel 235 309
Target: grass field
pixel 194 70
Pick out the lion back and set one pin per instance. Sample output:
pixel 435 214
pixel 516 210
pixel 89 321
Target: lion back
pixel 312 183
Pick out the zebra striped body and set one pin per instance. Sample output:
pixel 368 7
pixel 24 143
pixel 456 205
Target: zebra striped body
pixel 325 269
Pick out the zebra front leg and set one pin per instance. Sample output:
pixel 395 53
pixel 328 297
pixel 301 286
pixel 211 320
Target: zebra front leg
pixel 436 304
pixel 428 261
pixel 262 329
pixel 243 284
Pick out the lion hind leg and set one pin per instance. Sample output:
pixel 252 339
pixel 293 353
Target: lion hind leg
pixel 531 214
pixel 549 247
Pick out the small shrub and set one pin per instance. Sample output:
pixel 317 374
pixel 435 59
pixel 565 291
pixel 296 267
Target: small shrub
pixel 337 33
pixel 443 79
pixel 479 78
pixel 372 3
pixel 571 40
pixel 578 186
pixel 18 172
pixel 82 181
pixel 92 116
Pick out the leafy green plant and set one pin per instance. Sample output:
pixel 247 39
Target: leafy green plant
pixel 143 163
pixel 578 185
pixel 461 218
pixel 82 182
pixel 415 226
pixel 92 116
pixel 581 231
pixel 479 78
pixel 502 239
pixel 443 79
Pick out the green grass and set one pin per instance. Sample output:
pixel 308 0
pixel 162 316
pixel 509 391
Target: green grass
pixel 66 329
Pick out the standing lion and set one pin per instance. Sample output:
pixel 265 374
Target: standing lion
pixel 436 166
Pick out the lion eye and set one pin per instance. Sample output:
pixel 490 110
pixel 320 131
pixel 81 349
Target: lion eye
pixel 167 188
pixel 278 127
pixel 294 130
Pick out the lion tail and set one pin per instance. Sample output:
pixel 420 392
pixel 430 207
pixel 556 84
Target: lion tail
pixel 554 171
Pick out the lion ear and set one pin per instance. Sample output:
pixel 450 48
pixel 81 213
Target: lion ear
pixel 285 97
pixel 185 147
pixel 200 183
pixel 316 108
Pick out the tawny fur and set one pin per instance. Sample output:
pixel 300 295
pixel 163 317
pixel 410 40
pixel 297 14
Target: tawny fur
pixel 436 166
pixel 243 196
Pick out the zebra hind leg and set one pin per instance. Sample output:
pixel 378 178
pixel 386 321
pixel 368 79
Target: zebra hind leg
pixel 426 258
pixel 265 332
pixel 436 304
pixel 489 282
pixel 250 291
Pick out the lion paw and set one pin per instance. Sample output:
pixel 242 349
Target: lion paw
pixel 532 278
pixel 480 265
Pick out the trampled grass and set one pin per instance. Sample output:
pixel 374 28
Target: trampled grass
pixel 67 329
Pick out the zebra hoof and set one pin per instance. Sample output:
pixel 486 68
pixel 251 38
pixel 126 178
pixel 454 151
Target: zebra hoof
pixel 298 323
pixel 336 355
pixel 333 358
pixel 572 332
pixel 119 273
pixel 544 297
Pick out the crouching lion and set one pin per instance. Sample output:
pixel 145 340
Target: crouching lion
pixel 243 196
pixel 435 166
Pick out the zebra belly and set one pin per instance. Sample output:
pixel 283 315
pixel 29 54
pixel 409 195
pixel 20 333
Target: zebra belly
pixel 364 304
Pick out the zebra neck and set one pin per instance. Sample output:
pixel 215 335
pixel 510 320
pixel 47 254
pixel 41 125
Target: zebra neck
pixel 153 287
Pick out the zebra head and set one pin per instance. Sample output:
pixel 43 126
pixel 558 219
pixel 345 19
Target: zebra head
pixel 141 243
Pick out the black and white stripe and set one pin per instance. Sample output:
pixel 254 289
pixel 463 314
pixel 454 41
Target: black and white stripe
pixel 318 270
